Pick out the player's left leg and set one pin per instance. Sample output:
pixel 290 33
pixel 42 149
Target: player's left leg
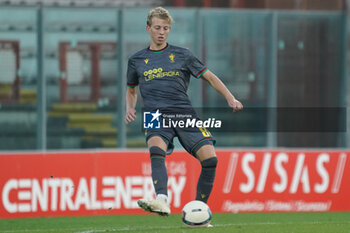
pixel 206 156
pixel 199 143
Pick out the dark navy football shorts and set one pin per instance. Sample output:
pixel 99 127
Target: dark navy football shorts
pixel 192 139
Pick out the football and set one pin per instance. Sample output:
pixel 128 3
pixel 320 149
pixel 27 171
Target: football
pixel 196 214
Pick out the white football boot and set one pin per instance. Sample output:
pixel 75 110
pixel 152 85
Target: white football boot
pixel 155 206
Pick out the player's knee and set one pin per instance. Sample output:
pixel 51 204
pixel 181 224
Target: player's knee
pixel 210 163
pixel 155 150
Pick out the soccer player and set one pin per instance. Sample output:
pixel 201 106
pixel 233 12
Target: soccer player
pixel 162 72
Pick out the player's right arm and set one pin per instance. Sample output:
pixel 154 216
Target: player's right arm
pixel 131 99
pixel 131 91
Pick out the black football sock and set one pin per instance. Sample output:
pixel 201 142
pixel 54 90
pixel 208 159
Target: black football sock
pixel 159 172
pixel 206 179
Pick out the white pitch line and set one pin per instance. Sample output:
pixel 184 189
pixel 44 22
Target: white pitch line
pixel 173 227
pixel 215 225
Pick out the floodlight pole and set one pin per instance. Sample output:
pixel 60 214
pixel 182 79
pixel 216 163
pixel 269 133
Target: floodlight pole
pixel 41 136
pixel 343 137
pixel 121 87
pixel 197 91
pixel 272 84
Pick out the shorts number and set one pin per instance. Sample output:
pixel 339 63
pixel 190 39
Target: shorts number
pixel 205 132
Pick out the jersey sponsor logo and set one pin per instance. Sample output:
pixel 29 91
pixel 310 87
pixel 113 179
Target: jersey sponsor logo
pixel 146 61
pixel 159 73
pixel 151 120
pixel 172 56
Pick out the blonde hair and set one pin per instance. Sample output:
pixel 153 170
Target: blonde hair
pixel 161 13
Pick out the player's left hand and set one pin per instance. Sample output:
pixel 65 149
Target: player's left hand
pixel 235 104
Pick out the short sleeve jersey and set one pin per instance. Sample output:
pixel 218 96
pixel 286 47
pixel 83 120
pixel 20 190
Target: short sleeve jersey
pixel 163 76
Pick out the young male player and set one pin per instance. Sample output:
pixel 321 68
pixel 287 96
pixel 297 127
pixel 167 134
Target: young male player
pixel 162 71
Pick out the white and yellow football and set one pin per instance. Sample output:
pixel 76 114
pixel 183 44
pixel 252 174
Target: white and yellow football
pixel 196 214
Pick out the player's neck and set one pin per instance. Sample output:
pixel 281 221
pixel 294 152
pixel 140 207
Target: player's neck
pixel 156 47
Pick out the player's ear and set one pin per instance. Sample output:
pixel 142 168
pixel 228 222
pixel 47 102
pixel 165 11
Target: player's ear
pixel 148 28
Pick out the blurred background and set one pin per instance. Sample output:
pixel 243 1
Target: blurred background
pixel 63 66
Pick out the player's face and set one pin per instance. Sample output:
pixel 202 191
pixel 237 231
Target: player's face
pixel 158 31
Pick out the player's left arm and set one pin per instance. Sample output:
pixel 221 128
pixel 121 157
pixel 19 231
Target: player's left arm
pixel 221 88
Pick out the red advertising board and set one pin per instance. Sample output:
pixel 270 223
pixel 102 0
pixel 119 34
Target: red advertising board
pixel 111 182
pixel 282 180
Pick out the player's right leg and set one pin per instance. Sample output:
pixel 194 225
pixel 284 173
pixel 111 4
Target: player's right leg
pixel 157 148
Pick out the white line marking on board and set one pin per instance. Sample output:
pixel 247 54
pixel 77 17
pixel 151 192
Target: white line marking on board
pixel 231 170
pixel 264 173
pixel 339 173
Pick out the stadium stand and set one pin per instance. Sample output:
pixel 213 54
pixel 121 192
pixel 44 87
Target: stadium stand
pixel 10 80
pixel 87 124
pixel 71 59
pixel 246 55
pixel 82 3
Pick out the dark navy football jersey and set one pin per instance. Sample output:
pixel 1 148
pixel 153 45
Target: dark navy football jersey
pixel 163 76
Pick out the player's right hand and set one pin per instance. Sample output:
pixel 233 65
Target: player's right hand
pixel 130 115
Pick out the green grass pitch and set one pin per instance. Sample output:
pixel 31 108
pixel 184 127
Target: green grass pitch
pixel 333 222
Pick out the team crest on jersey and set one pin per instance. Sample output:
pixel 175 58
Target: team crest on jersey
pixel 172 56
pixel 146 61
